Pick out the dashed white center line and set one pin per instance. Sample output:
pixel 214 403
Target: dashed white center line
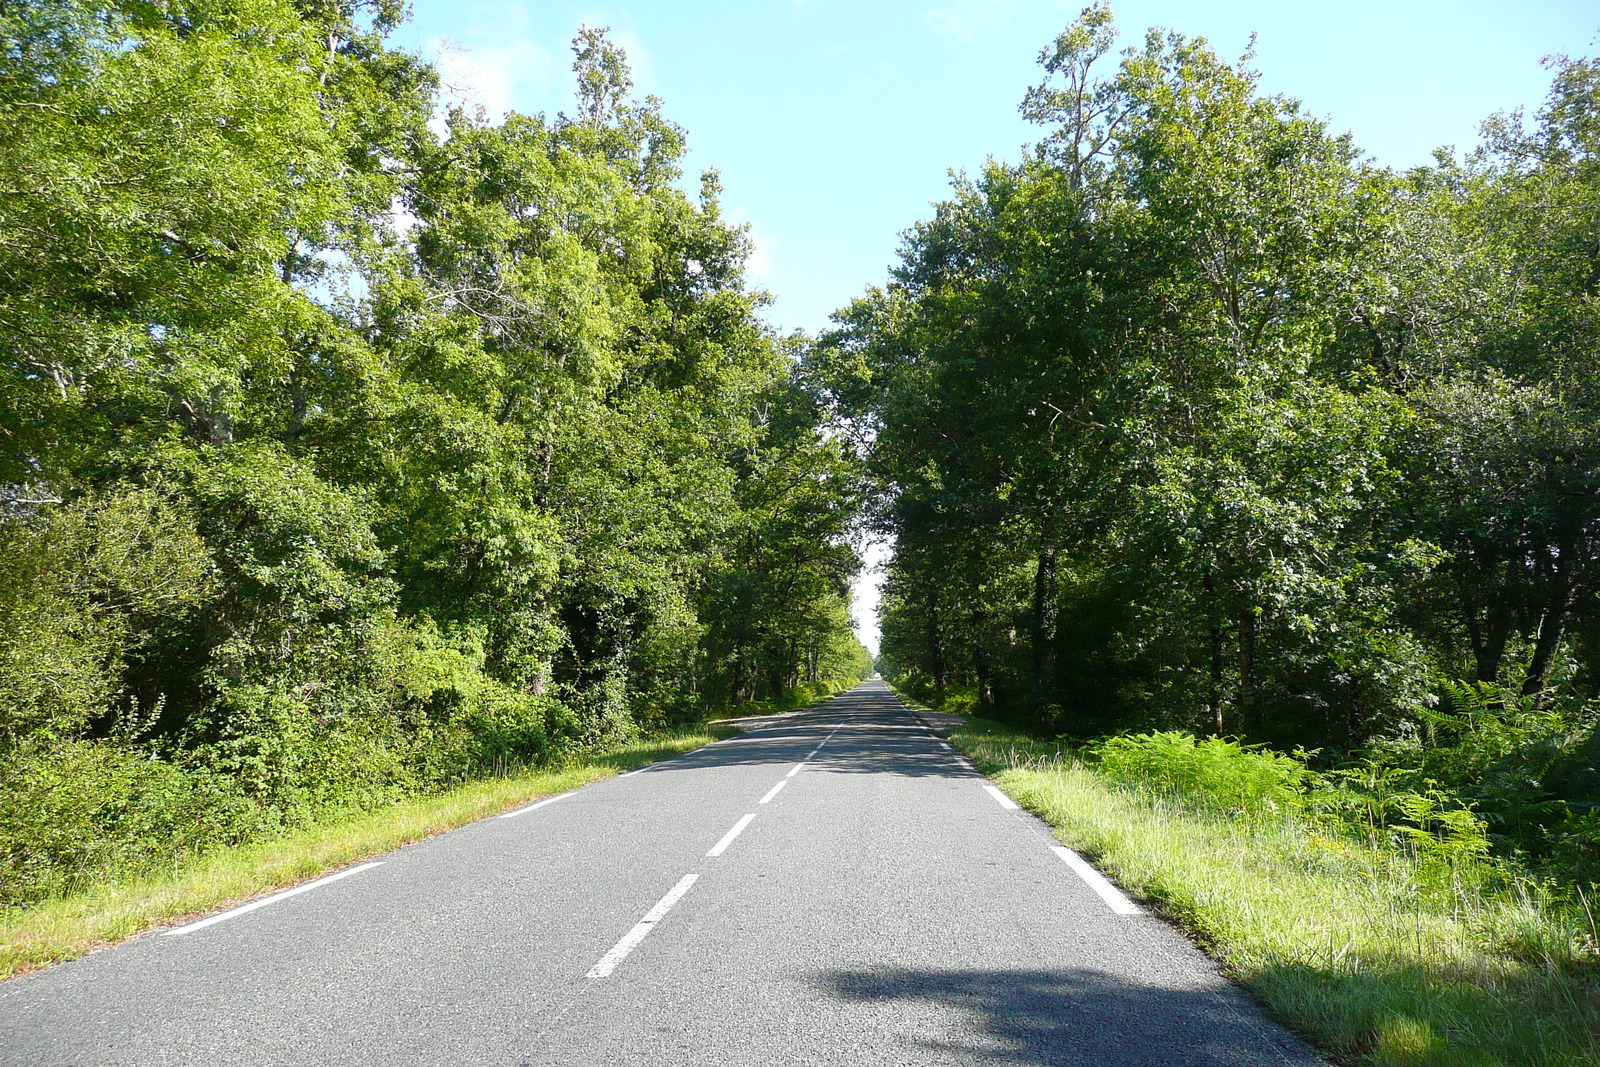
pixel 727 839
pixel 1001 799
pixel 642 928
pixel 774 790
pixel 264 901
pixel 797 769
pixel 812 754
pixel 540 804
pixel 1097 881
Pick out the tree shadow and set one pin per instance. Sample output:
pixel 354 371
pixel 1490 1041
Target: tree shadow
pixel 899 746
pixel 1076 1016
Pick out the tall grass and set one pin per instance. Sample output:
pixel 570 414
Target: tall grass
pixel 1376 946
pixel 71 925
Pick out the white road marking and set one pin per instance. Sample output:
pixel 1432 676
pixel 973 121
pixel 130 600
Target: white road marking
pixel 540 804
pixel 774 790
pixel 1001 799
pixel 630 774
pixel 264 901
pixel 825 740
pixel 727 839
pixel 1097 881
pixel 797 769
pixel 641 929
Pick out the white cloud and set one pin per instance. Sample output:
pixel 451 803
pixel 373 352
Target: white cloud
pixel 758 268
pixel 644 75
pixel 401 217
pixel 514 75
pixel 965 19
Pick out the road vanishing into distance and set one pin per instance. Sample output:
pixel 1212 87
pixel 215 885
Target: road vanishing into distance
pixel 834 887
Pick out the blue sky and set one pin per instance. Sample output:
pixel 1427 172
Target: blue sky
pixel 835 122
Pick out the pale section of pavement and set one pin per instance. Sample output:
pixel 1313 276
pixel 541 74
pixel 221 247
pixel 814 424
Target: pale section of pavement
pixel 880 909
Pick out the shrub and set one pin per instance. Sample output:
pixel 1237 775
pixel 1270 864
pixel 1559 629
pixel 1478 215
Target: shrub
pixel 1218 772
pixel 79 811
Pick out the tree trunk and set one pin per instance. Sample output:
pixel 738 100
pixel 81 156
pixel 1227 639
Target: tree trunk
pixel 1552 623
pixel 1214 619
pixel 1044 592
pixel 1489 639
pixel 1248 712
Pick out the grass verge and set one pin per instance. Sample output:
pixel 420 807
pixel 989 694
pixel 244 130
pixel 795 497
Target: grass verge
pixel 58 930
pixel 1337 940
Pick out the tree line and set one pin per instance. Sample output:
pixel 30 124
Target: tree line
pixel 352 444
pixel 1197 419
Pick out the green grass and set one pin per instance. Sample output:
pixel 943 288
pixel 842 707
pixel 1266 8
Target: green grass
pixel 57 930
pixel 1350 944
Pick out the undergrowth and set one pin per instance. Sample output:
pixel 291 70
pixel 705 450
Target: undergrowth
pixel 801 696
pixel 1375 923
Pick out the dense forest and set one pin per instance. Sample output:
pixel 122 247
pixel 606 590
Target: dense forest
pixel 352 445
pixel 1197 420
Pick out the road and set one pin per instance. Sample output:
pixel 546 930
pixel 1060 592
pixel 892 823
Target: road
pixel 877 905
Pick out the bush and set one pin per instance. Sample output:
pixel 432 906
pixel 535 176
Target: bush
pixel 1443 837
pixel 82 587
pixel 956 699
pixel 1218 773
pixel 80 811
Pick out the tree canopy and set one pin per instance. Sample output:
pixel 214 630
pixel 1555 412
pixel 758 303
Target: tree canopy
pixel 1194 418
pixel 340 459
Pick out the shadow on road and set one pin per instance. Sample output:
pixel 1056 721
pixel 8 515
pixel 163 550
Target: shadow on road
pixel 1078 1017
pixel 883 744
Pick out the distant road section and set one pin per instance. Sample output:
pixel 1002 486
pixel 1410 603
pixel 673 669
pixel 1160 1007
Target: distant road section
pixel 838 887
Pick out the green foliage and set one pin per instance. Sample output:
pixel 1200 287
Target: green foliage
pixel 79 812
pixel 1525 766
pixel 1193 422
pixel 305 511
pixel 84 589
pixel 1217 772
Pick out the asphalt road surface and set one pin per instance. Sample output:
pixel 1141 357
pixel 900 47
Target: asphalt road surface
pixel 837 887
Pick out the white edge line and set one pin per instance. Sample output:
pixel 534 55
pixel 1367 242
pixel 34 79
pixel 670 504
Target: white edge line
pixel 630 774
pixel 774 790
pixel 727 839
pixel 797 769
pixel 540 804
pixel 1097 881
pixel 273 899
pixel 641 929
pixel 1001 799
